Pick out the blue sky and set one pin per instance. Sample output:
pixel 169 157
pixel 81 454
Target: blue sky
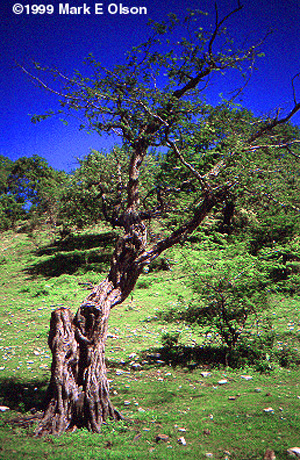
pixel 65 40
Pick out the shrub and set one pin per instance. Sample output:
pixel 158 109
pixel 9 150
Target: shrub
pixel 231 294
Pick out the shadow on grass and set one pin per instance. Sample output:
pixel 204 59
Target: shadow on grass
pixel 80 242
pixel 22 396
pixel 190 357
pixel 82 253
pixel 213 355
pixel 70 263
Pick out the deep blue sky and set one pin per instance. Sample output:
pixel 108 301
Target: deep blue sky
pixel 64 41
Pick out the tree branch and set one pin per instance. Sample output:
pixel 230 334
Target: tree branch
pixel 273 123
pixel 200 212
pixel 196 174
pixel 275 146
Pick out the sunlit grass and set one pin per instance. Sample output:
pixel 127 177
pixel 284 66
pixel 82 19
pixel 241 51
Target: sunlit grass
pixel 226 420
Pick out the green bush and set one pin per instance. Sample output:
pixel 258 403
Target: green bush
pixel 170 339
pixel 231 295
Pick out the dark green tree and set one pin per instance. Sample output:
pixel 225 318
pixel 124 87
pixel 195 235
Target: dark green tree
pixel 10 209
pixel 36 187
pixel 155 99
pixel 97 188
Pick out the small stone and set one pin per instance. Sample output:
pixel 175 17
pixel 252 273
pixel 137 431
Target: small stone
pixel 183 430
pixel 132 356
pixel 295 451
pixel 209 454
pixel 155 355
pixel 205 374
pixel 181 441
pixel 162 437
pixel 246 377
pixel 222 382
pixel 232 398
pixel 269 409
pixel 119 372
pixel 136 366
pixel 4 408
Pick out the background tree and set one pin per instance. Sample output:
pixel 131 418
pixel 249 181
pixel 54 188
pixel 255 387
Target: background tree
pixel 10 209
pixel 155 99
pixel 35 188
pixel 96 190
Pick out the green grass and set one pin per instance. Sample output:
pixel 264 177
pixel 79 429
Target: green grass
pixel 227 420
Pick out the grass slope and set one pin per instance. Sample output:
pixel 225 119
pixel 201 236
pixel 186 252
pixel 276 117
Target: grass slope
pixel 216 420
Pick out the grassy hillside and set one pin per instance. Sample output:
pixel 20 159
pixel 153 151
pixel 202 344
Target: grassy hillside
pixel 214 412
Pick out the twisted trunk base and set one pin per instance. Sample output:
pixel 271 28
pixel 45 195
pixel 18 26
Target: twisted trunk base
pixel 78 393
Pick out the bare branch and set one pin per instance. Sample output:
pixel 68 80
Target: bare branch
pixel 293 87
pixel 215 170
pixel 275 146
pixel 218 26
pixel 195 173
pixel 273 123
pixel 43 84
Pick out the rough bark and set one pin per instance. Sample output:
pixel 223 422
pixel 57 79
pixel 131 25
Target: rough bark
pixel 78 394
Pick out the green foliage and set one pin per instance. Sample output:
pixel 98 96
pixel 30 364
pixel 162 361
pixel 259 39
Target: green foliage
pixel 155 98
pixel 96 190
pixel 29 189
pixel 170 340
pixel 282 262
pixel 230 294
pixel 10 211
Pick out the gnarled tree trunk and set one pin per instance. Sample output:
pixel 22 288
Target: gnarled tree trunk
pixel 78 393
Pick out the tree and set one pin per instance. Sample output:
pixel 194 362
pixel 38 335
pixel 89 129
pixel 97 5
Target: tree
pixel 100 173
pixel 10 209
pixel 154 100
pixel 35 186
pixel 231 290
